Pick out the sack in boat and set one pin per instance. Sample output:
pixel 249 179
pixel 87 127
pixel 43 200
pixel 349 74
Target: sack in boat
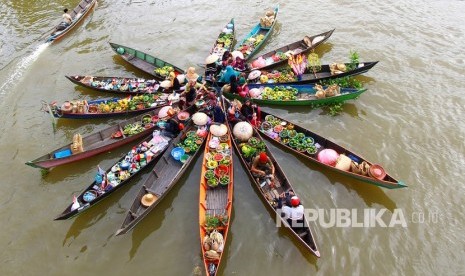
pixel 77 145
pixel 365 168
pixel 343 163
pixel 212 255
pixel 206 243
pixel 332 90
pixel 355 167
pixel 320 92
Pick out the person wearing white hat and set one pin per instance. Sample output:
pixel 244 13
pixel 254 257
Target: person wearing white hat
pixel 211 67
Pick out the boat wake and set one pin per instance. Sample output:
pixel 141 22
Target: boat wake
pixel 21 68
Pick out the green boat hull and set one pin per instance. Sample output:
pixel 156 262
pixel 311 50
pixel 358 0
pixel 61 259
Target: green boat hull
pixel 311 102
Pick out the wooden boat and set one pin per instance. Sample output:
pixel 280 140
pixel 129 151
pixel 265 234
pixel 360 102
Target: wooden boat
pixel 315 143
pixel 281 55
pixel 296 94
pixel 248 45
pixel 104 108
pixel 275 76
pixel 164 176
pixel 102 141
pixel 225 40
pixel 270 193
pixel 117 85
pixel 119 175
pixel 78 13
pixel 156 67
pixel 215 201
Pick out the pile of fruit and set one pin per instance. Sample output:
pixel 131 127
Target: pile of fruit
pixel 136 103
pixel 226 39
pixel 279 93
pixel 132 129
pixel 164 71
pixel 250 44
pixel 278 76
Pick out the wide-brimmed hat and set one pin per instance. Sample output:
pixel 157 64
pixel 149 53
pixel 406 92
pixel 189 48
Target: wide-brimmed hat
pixel 166 84
pixel 376 171
pixel 181 78
pixel 211 58
pixel 200 118
pixel 191 75
pixel 236 54
pixel 148 199
pixel 254 74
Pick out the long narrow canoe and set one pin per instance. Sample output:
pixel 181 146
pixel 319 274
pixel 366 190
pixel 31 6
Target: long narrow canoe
pixel 164 176
pixel 248 46
pixel 117 176
pixel 78 13
pixel 315 143
pixel 225 40
pixel 104 108
pixel 270 194
pixel 145 62
pixel 281 55
pixel 117 85
pixel 215 204
pixel 301 95
pixel 98 142
pixel 310 77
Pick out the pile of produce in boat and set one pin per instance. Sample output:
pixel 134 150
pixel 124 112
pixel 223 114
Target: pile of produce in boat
pixel 285 133
pixel 119 84
pixel 164 71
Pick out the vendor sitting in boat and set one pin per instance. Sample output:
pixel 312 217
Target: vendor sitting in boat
pixel 263 169
pixel 67 19
pixel 292 210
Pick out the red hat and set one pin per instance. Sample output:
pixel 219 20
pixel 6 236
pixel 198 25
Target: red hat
pixel 263 157
pixel 295 201
pixel 181 126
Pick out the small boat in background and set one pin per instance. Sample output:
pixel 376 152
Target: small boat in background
pixel 77 14
pixel 117 85
pixel 281 55
pixel 255 39
pixel 151 65
pixel 225 40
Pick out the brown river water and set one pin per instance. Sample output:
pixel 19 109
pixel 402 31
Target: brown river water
pixel 409 121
